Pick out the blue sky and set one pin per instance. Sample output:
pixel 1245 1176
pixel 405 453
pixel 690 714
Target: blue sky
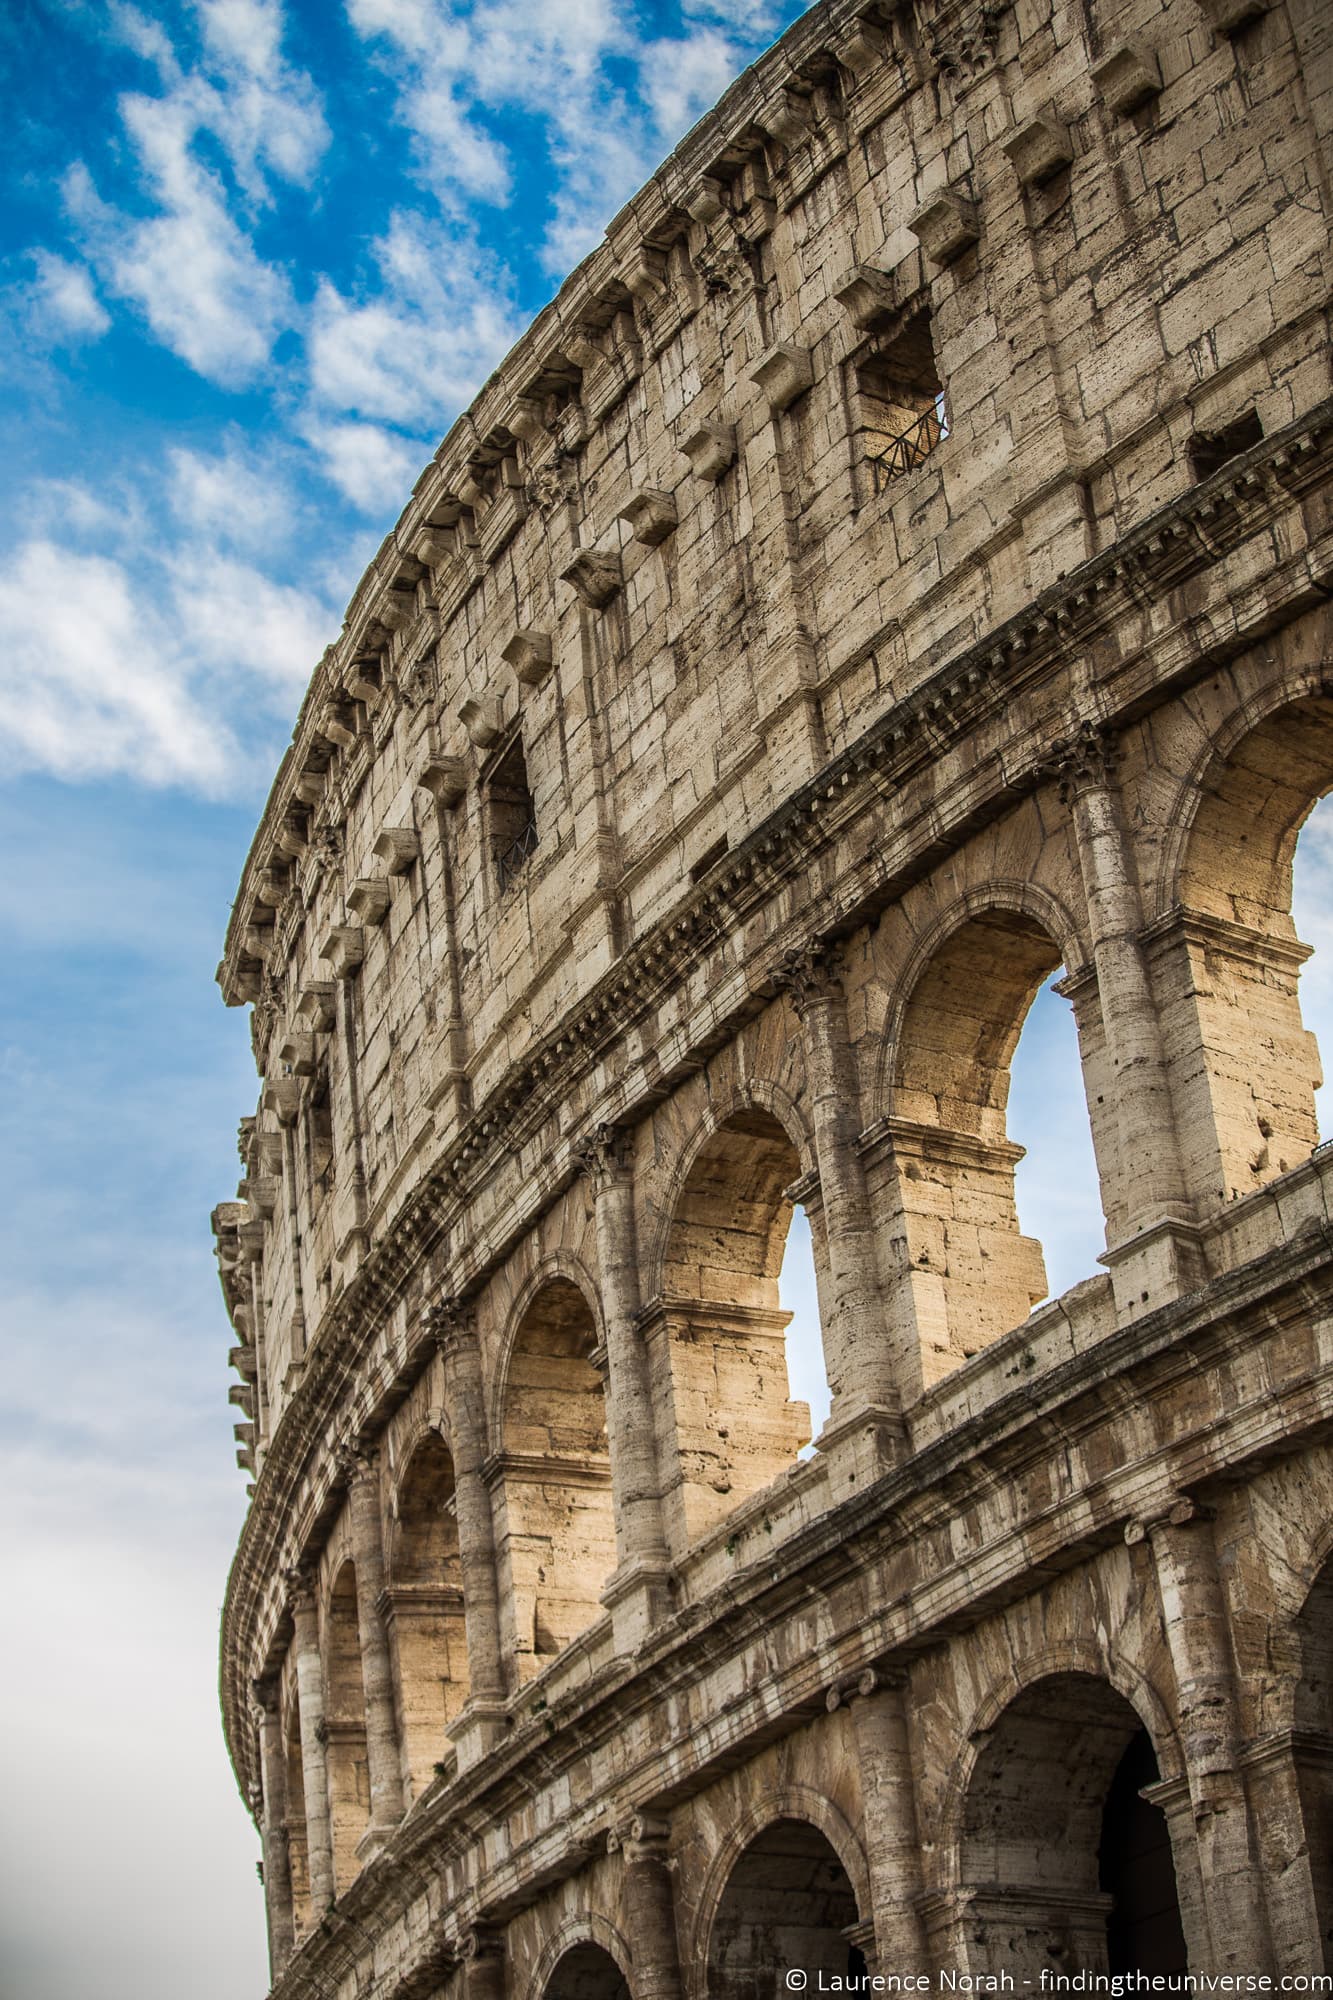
pixel 254 261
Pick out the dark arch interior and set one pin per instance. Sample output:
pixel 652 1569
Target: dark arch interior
pixel 587 1973
pixel 788 1903
pixel 1143 1931
pixel 1069 1865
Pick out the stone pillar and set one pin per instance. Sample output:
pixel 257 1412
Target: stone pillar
pixel 314 1755
pixel 1198 1635
pixel 350 1191
pixel 452 1326
pixel 639 1594
pixel 650 1909
pixel 857 1348
pixel 1160 1255
pixel 888 1797
pixel 383 1758
pixel 273 1828
pixel 482 1955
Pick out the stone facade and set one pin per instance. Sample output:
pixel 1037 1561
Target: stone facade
pixel 896 568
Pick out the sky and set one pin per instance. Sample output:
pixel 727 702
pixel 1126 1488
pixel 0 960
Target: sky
pixel 253 261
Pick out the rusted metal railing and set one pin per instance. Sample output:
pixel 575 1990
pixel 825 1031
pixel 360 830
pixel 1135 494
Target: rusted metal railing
pixel 900 454
pixel 511 862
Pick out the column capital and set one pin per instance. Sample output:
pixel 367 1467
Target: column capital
pixel 479 1942
pixel 357 1461
pixel 810 974
pixel 1087 757
pixel 452 1324
pixel 1178 1512
pixel 874 1680
pixel 299 1581
pixel 605 1155
pixel 265 1690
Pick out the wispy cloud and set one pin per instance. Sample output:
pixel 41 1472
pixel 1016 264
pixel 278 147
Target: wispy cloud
pixel 578 72
pixel 61 300
pixel 165 654
pixel 190 265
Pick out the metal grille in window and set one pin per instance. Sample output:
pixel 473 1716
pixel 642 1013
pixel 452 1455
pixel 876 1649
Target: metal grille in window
pixel 901 453
pixel 512 861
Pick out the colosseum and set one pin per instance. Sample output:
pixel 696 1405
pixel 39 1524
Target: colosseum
pixel 894 572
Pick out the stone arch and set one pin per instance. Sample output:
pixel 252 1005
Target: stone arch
pixel 943 1176
pixel 345 1724
pixel 555 1265
pixel 1057 1857
pixel 551 1474
pixel 759 1094
pixel 1227 960
pixel 1019 898
pixel 424 1606
pixel 716 1328
pixel 787 1886
pixel 589 1933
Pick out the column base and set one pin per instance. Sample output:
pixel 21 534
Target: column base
pixel 641 1598
pixel 860 1443
pixel 476 1730
pixel 1162 1262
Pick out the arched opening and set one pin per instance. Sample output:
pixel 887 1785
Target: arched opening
pixel 1064 1863
pixel 345 1724
pixel 952 1219
pixel 586 1972
pixel 788 1903
pixel 424 1610
pixel 554 1518
pixel 718 1334
pixel 1135 1869
pixel 1312 1751
pixel 798 1295
pixel 1057 1192
pixel 1244 1067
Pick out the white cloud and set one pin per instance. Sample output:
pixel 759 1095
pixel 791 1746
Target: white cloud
pixel 568 65
pixel 234 498
pixel 371 467
pixel 167 674
pixel 682 79
pixel 190 266
pixel 421 346
pixel 63 301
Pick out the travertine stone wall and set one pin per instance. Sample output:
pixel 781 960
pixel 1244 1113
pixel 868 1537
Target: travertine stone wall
pixel 893 572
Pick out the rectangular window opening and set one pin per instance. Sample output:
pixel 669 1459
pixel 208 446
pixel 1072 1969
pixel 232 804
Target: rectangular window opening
pixel 902 408
pixel 511 817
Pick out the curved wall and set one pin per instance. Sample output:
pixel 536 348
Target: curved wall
pixel 893 571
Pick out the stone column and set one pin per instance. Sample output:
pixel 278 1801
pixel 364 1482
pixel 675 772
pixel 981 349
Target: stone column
pixel 273 1828
pixel 650 1909
pixel 482 1955
pixel 452 1326
pixel 1198 1635
pixel 383 1758
pixel 314 1757
pixel 857 1348
pixel 888 1795
pixel 351 1212
pixel 1164 1258
pixel 639 1594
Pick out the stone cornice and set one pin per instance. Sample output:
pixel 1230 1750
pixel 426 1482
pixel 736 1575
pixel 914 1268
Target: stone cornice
pixel 1183 539
pixel 1016 1431
pixel 743 125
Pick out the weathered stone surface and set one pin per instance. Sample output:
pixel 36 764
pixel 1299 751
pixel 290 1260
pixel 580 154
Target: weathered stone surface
pixel 724 879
